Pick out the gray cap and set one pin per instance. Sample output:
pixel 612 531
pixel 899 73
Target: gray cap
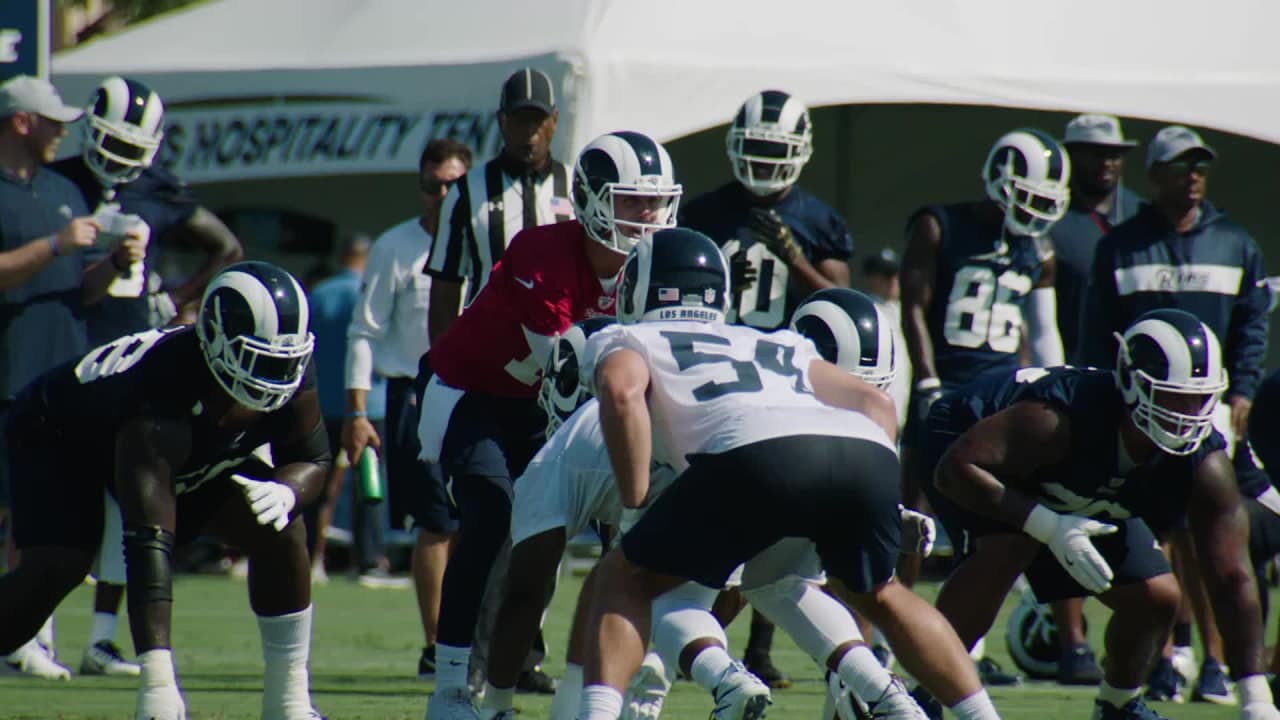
pixel 1092 129
pixel 25 93
pixel 1173 141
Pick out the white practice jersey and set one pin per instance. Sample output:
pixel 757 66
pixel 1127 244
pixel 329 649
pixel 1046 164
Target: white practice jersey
pixel 715 387
pixel 570 481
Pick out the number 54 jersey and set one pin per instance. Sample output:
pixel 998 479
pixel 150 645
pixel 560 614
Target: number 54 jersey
pixel 982 283
pixel 715 387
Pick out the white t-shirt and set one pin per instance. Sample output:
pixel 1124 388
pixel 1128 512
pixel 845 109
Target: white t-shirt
pixel 715 387
pixel 388 331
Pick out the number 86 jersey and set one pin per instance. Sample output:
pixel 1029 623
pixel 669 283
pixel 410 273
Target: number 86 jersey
pixel 715 387
pixel 982 283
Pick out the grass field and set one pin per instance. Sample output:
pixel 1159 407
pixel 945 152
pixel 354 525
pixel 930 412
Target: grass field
pixel 364 655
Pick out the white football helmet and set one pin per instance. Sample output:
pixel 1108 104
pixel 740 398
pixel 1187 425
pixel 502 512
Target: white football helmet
pixel 676 274
pixel 1027 173
pixel 254 330
pixel 562 392
pixel 124 123
pixel 851 331
pixel 769 142
pixel 1169 371
pixel 624 165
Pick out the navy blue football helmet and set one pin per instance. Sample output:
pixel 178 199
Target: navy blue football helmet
pixel 562 392
pixel 850 331
pixel 677 274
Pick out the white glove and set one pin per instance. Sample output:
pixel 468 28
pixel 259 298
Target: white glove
pixel 918 533
pixel 1068 539
pixel 270 501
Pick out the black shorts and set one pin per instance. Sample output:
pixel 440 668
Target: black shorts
pixel 492 437
pixel 1133 553
pixel 842 493
pixel 915 430
pixel 416 490
pixel 963 526
pixel 1264 532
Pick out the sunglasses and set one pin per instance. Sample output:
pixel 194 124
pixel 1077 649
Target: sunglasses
pixel 432 186
pixel 1186 167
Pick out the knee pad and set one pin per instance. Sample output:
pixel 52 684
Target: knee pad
pixel 682 616
pixel 147 553
pixel 814 620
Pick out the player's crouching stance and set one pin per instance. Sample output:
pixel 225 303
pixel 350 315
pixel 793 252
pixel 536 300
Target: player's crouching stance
pixel 749 419
pixel 1044 452
pixel 169 420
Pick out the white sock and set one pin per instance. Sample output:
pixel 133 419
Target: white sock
pixel 45 635
pixel 975 707
pixel 1118 697
pixel 709 666
pixel 498 699
pixel 157 668
pixel 979 650
pixel 451 666
pixel 104 628
pixel 860 670
pixel 600 702
pixel 286 648
pixel 564 706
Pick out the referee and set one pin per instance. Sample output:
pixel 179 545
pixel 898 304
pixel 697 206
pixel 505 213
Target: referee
pixel 521 188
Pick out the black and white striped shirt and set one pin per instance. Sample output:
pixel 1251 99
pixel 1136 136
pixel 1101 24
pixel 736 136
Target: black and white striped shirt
pixel 483 212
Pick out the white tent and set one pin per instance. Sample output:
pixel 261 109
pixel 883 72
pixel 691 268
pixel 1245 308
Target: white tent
pixel 322 87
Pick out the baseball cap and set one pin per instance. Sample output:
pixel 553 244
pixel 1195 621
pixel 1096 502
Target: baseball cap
pixel 527 88
pixel 25 93
pixel 1173 141
pixel 885 262
pixel 1093 129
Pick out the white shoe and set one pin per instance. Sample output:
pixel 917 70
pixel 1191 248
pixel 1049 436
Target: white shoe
pixel 379 579
pixel 452 704
pixel 740 695
pixel 319 576
pixel 895 702
pixel 842 700
pixel 104 658
pixel 33 659
pixel 645 694
pixel 1184 662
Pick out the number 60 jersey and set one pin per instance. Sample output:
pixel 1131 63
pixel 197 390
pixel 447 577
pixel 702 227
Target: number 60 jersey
pixel 715 387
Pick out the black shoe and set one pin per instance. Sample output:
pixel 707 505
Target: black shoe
pixel 927 702
pixel 535 681
pixel 761 665
pixel 1078 666
pixel 992 675
pixel 1135 709
pixel 1164 684
pixel 427 663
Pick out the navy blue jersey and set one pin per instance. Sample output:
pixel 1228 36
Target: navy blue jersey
pixel 722 215
pixel 1213 271
pixel 162 374
pixel 1255 460
pixel 163 202
pixel 1089 482
pixel 1075 237
pixel 982 282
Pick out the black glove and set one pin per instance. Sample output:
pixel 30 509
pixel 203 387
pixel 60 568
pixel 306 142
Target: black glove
pixel 764 226
pixel 926 393
pixel 742 274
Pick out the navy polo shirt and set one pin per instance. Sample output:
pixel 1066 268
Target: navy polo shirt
pixel 40 320
pixel 163 202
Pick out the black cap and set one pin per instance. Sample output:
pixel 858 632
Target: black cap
pixel 885 262
pixel 527 88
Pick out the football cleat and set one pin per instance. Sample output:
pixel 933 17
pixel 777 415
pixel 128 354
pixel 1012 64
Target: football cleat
pixel 895 702
pixel 536 682
pixel 740 695
pixel 451 704
pixel 427 663
pixel 647 691
pixel 1135 709
pixel 1213 685
pixel 104 658
pixel 35 660
pixel 1165 683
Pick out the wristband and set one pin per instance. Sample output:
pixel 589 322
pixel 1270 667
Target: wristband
pixel 1041 523
pixel 928 384
pixel 53 244
pixel 356 414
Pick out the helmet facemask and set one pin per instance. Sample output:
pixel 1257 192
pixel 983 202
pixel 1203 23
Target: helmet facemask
pixel 603 210
pixel 260 375
pixel 1029 208
pixel 1176 416
pixel 767 159
pixel 117 153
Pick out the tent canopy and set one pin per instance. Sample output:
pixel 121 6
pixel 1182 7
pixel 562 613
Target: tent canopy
pixel 670 68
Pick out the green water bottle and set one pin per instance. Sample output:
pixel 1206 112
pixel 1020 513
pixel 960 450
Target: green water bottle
pixel 371 490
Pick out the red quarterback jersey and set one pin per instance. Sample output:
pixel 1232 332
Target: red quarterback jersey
pixel 541 286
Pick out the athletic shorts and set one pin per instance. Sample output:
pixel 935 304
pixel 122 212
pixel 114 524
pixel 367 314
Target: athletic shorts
pixel 416 492
pixel 727 508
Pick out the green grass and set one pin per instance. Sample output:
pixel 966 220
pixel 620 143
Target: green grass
pixel 364 656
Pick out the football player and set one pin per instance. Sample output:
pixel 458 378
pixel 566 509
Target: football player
pixel 123 128
pixel 1096 465
pixel 972 274
pixel 480 415
pixel 168 421
pixel 744 417
pixel 783 244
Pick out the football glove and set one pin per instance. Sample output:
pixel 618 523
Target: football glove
pixel 766 227
pixel 270 501
pixel 1068 539
pixel 918 533
pixel 926 394
pixel 742 274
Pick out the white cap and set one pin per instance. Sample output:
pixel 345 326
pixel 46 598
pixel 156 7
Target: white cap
pixel 1173 141
pixel 25 93
pixel 1096 130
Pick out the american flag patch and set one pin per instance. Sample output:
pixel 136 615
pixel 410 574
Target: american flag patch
pixel 668 294
pixel 561 207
